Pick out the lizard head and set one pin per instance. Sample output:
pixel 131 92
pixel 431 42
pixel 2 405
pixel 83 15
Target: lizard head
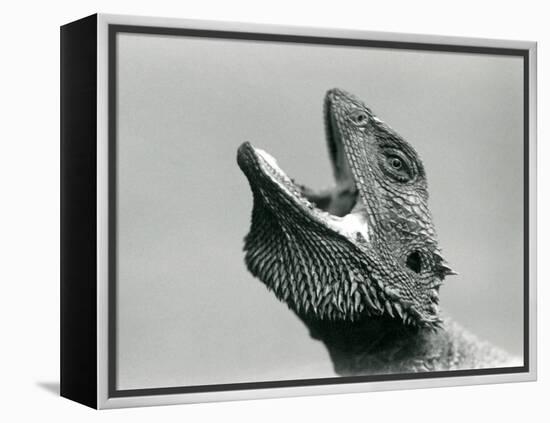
pixel 365 248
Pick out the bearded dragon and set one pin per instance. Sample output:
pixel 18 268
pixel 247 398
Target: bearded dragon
pixel 359 263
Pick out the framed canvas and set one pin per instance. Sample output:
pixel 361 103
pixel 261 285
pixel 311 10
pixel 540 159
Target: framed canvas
pixel 194 268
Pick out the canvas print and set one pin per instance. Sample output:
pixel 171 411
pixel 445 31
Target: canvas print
pixel 292 211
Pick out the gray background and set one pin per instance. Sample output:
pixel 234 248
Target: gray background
pixel 188 311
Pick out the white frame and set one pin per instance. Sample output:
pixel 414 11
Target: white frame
pixel 103 400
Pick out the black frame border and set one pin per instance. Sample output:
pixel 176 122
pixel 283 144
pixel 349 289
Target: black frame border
pixel 78 211
pixel 114 29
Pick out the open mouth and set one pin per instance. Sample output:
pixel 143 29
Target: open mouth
pixel 339 207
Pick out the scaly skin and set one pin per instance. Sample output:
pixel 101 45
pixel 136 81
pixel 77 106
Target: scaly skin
pixel 359 263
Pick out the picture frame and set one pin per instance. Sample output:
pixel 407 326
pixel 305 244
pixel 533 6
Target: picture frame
pixel 116 158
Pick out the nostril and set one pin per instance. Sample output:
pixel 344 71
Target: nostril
pixel 414 262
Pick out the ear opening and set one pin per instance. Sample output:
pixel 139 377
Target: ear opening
pixel 414 262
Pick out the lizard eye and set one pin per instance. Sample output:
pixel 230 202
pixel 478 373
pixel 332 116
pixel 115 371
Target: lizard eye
pixel 397 165
pixel 359 118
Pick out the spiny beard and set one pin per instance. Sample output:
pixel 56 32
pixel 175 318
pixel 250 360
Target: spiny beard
pixel 313 272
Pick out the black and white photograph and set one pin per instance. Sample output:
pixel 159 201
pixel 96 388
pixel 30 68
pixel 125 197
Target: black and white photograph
pixel 394 213
pixel 288 210
pixel 285 211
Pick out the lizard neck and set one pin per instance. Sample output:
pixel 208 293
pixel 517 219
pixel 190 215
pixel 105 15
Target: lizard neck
pixel 376 346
